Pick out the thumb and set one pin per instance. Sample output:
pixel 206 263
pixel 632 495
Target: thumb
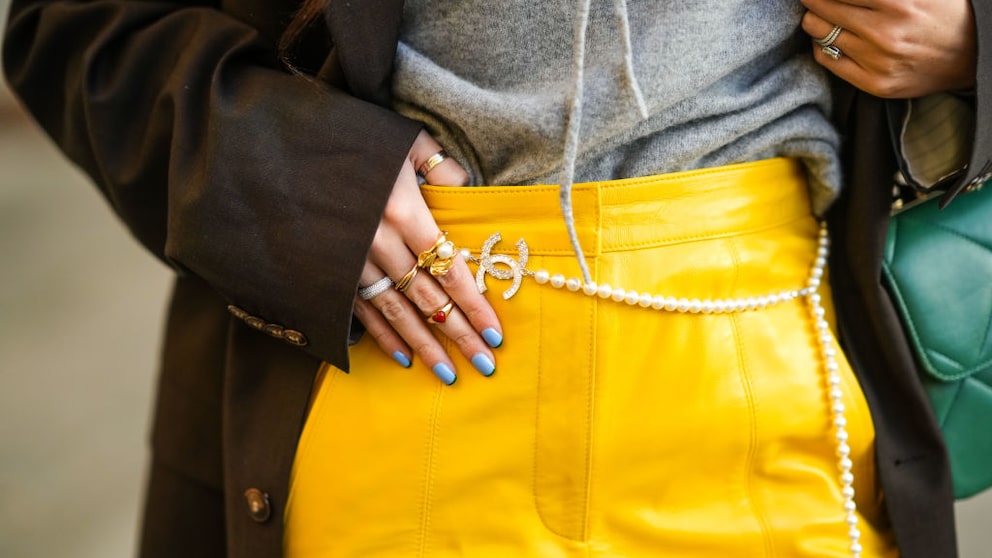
pixel 434 165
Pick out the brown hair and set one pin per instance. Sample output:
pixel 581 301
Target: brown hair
pixel 309 12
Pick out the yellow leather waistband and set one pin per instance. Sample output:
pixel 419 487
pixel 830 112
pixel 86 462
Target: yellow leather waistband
pixel 655 210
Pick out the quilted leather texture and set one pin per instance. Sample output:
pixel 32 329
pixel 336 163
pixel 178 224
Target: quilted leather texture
pixel 938 265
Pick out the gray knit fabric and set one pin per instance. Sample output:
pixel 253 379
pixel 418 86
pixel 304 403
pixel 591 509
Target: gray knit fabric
pixel 722 82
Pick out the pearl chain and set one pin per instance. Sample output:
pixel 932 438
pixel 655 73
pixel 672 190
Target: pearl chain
pixel 517 270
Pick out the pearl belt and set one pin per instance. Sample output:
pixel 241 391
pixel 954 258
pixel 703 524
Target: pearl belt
pixel 516 269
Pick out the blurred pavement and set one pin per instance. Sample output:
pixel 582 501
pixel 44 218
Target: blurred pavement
pixel 81 309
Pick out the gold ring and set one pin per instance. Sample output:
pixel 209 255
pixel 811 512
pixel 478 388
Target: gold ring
pixel 431 162
pixel 403 284
pixel 441 314
pixel 439 258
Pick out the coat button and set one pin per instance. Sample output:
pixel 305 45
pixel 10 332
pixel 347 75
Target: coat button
pixel 258 505
pixel 275 330
pixel 977 182
pixel 294 337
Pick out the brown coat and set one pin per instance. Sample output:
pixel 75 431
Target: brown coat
pixel 263 191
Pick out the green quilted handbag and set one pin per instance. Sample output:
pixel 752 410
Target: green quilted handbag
pixel 938 267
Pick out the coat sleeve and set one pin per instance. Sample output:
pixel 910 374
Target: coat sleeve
pixel 265 185
pixel 979 169
pixel 973 165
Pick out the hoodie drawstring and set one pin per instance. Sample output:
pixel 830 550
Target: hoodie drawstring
pixel 623 23
pixel 572 127
pixel 574 119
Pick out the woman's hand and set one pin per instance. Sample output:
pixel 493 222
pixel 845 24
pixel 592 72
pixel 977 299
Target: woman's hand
pixel 398 321
pixel 897 48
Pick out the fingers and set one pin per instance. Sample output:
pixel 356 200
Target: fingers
pixel 849 40
pixel 870 67
pixel 819 28
pixel 472 324
pixel 398 324
pixel 385 336
pixel 896 49
pixel 849 45
pixel 856 59
pixel 399 320
pixel 831 12
pixel 393 322
pixel 460 285
pixel 473 330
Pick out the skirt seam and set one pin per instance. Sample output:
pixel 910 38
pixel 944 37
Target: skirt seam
pixel 425 520
pixel 590 416
pixel 742 361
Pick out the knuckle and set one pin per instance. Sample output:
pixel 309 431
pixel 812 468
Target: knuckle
pixel 427 350
pixel 392 310
pixel 464 339
pixel 361 307
pixel 454 276
pixel 895 43
pixel 884 87
pixel 380 239
pixel 903 40
pixel 474 312
pixel 426 297
pixel 395 212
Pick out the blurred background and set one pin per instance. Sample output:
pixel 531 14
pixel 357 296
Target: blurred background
pixel 81 312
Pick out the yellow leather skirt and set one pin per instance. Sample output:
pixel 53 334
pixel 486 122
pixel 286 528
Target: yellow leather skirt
pixel 609 428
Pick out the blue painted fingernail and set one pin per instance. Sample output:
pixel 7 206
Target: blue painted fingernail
pixel 402 359
pixel 492 337
pixel 482 363
pixel 444 373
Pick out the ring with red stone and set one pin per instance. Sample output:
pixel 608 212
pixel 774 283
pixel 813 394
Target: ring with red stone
pixel 440 315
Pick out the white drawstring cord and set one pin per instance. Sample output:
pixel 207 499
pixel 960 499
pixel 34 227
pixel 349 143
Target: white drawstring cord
pixel 623 22
pixel 572 128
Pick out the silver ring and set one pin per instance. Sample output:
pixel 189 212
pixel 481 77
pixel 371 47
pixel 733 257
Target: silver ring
pixel 375 289
pixel 832 52
pixel 830 38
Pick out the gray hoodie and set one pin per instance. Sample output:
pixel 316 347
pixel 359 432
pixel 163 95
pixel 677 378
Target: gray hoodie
pixel 556 91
